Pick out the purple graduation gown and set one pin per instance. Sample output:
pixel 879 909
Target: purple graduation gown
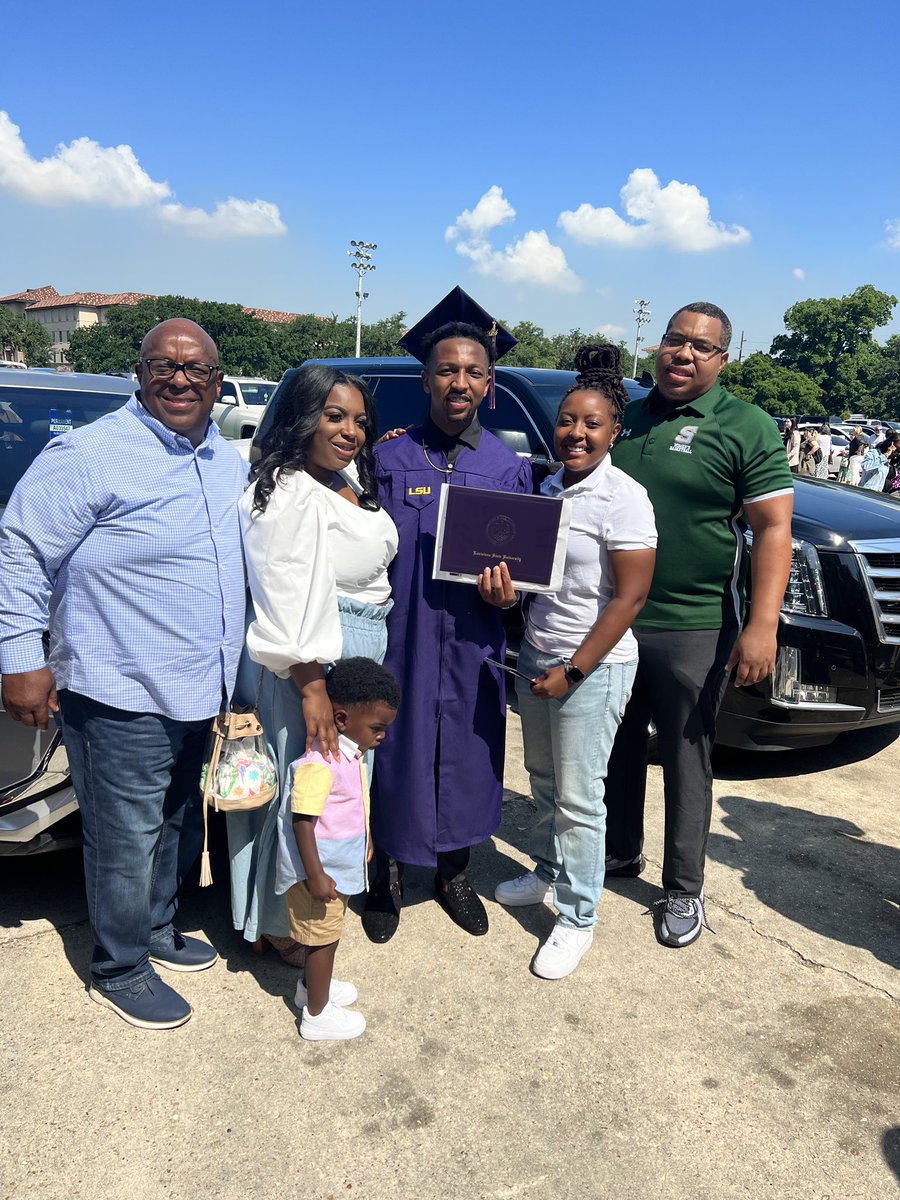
pixel 439 771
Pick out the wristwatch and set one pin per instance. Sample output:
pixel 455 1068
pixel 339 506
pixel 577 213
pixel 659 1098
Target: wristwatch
pixel 572 673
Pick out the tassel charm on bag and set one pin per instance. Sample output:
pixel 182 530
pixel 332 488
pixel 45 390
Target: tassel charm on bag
pixel 238 773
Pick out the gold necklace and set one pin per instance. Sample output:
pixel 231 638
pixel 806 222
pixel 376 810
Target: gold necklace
pixel 443 470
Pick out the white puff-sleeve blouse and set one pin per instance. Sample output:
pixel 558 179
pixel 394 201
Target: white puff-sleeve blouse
pixel 309 547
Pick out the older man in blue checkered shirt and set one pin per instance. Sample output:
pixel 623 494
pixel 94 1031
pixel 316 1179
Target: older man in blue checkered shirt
pixel 123 539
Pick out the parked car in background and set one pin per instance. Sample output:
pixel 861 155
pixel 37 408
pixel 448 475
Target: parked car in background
pixel 241 403
pixel 37 802
pixel 527 400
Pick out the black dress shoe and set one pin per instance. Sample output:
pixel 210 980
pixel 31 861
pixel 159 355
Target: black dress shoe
pixel 381 912
pixel 463 904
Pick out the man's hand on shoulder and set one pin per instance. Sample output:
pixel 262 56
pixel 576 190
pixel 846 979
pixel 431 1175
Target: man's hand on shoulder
pixel 753 655
pixel 30 697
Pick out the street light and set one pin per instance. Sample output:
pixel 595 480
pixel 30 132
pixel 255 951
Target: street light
pixel 361 255
pixel 642 315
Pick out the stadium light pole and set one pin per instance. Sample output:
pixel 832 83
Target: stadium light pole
pixel 361 262
pixel 642 315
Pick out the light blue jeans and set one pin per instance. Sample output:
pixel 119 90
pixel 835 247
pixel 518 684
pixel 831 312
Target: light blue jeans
pixel 567 748
pixel 253 836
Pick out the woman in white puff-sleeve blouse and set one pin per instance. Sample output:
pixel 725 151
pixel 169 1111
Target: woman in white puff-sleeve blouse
pixel 317 547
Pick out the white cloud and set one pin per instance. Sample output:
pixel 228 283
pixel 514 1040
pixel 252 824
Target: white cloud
pixel 676 216
pixel 492 209
pixel 533 259
pixel 798 273
pixel 231 218
pixel 893 232
pixel 613 333
pixel 84 172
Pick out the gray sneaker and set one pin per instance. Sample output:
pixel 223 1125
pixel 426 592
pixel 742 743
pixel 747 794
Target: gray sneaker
pixel 681 920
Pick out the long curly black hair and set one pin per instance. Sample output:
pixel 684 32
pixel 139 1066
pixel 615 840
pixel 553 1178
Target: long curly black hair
pixel 599 368
pixel 300 406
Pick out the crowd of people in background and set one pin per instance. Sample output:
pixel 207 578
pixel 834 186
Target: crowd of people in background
pixel 871 461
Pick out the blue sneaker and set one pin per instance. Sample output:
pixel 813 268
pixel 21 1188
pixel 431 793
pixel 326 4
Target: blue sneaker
pixel 183 953
pixel 149 1004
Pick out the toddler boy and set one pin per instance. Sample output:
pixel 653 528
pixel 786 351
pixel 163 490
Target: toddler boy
pixel 323 841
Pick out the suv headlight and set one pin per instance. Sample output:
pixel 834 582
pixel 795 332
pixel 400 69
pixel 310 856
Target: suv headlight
pixel 805 591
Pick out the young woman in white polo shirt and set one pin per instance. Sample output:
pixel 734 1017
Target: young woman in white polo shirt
pixel 581 656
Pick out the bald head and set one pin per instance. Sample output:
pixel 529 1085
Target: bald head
pixel 174 327
pixel 180 377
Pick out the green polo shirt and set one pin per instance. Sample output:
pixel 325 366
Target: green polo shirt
pixel 700 463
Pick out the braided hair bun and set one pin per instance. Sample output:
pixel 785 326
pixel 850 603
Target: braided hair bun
pixel 599 368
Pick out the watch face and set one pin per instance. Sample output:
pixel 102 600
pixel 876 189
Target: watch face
pixel 573 673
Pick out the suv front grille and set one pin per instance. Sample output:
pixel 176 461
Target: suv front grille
pixel 889 700
pixel 881 565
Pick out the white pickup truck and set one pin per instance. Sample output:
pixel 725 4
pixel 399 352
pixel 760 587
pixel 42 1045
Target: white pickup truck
pixel 242 401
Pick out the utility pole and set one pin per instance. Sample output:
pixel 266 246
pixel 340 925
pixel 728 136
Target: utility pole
pixel 741 347
pixel 642 315
pixel 361 256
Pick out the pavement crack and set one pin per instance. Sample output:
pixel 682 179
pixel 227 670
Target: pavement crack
pixel 798 954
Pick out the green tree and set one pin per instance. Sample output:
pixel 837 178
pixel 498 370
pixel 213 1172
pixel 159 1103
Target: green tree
pixel 885 379
pixel 18 335
pixel 534 349
pixel 830 342
pixel 760 380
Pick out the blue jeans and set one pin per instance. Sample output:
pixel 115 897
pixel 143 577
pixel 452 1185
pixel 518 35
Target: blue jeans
pixel 136 776
pixel 567 746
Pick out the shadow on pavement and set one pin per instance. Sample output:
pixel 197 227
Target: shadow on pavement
pixel 849 748
pixel 818 871
pixel 890 1145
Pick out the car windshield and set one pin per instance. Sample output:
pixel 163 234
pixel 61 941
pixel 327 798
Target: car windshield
pixel 550 394
pixel 257 393
pixel 29 417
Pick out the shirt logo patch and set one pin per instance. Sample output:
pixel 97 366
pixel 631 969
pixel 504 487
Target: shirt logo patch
pixel 683 439
pixel 419 491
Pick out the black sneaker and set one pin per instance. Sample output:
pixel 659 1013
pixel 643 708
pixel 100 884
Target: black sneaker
pixel 681 919
pixel 625 868
pixel 463 904
pixel 149 1004
pixel 381 913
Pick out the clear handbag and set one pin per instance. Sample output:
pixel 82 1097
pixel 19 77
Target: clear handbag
pixel 238 773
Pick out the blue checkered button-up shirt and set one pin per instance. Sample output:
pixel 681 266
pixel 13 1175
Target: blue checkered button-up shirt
pixel 125 541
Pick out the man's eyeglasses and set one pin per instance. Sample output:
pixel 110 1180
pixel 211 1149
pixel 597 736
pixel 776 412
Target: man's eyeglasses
pixel 701 347
pixel 164 368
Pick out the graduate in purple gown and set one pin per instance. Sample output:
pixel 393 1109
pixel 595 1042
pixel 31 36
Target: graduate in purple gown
pixel 439 772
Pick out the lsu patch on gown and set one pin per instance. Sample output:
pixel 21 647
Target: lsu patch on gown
pixel 439 771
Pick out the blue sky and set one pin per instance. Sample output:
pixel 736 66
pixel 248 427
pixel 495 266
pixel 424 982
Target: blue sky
pixel 557 160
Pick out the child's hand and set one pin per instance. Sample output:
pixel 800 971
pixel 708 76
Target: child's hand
pixel 321 887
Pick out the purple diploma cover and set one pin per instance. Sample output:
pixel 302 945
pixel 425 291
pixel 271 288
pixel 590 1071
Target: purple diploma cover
pixel 478 528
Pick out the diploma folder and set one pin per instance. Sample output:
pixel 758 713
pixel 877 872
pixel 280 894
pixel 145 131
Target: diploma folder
pixel 479 528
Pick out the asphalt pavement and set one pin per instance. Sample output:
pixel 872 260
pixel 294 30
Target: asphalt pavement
pixel 764 1061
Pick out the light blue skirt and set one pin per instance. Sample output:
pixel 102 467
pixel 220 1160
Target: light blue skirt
pixel 252 836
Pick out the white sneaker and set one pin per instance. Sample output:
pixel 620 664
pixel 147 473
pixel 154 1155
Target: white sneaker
pixel 524 889
pixel 340 993
pixel 562 952
pixel 333 1024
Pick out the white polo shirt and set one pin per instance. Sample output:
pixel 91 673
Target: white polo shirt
pixel 610 511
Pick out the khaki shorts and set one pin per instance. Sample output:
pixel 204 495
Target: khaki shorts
pixel 314 922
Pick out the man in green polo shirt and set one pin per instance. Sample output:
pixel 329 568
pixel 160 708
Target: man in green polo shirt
pixel 713 465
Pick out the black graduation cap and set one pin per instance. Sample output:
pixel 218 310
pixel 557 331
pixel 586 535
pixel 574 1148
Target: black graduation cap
pixel 458 305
